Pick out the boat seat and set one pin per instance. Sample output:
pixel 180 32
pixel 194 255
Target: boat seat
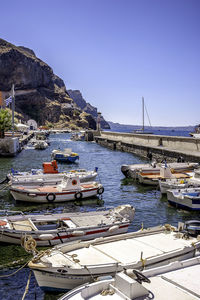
pixel 90 220
pixel 24 225
pixel 87 186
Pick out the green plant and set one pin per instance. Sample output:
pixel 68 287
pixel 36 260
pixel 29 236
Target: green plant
pixel 5 121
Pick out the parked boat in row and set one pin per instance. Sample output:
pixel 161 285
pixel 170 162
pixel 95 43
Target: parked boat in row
pixel 154 168
pixel 173 281
pixel 64 156
pixel 69 189
pixel 174 183
pixel 67 266
pixel 188 198
pixel 53 229
pixel 49 175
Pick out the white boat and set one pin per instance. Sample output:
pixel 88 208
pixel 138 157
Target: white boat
pixel 174 183
pixel 184 198
pixel 53 229
pixel 48 175
pixel 40 145
pixel 173 281
pixel 154 168
pixel 69 189
pixel 67 266
pixel 165 173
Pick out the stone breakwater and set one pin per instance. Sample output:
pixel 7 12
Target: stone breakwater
pixel 160 146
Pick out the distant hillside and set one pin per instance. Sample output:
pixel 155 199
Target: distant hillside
pixel 129 128
pixel 86 107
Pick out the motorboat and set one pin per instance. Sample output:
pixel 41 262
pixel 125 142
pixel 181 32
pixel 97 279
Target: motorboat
pixel 49 175
pixel 64 156
pixel 165 173
pixel 40 145
pixel 69 189
pixel 52 229
pixel 67 266
pixel 184 198
pixel 172 281
pixel 174 183
pixel 154 168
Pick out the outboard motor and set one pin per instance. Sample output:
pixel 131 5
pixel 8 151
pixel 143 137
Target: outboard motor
pixel 192 227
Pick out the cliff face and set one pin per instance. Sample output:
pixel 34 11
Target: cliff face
pixel 87 107
pixel 39 93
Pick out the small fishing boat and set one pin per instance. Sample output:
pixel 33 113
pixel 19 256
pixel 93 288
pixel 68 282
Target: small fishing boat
pixel 172 281
pixel 52 229
pixel 69 189
pixel 67 266
pixel 40 145
pixel 49 175
pixel 165 173
pixel 184 198
pixel 154 168
pixel 64 156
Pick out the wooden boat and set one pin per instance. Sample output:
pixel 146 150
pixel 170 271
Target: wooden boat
pixel 154 168
pixel 165 173
pixel 65 156
pixel 48 175
pixel 185 198
pixel 69 189
pixel 172 281
pixel 53 229
pixel 67 266
pixel 40 145
pixel 174 183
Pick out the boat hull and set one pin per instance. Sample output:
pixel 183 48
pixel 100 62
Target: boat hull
pixel 175 199
pixel 59 197
pixel 49 280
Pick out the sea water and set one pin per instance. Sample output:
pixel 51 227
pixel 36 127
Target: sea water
pixel 151 210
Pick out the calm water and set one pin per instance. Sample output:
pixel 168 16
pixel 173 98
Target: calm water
pixel 150 209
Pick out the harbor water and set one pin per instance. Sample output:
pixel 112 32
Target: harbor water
pixel 151 209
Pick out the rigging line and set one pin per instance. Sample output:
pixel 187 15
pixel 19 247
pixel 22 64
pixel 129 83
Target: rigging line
pixel 147 115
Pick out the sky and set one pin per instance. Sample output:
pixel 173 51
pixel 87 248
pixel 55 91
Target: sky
pixel 116 52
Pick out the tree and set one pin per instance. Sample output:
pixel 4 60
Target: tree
pixel 5 121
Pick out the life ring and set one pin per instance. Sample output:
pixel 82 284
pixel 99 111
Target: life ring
pixel 74 182
pixel 50 197
pixel 100 190
pixel 78 195
pixel 3 223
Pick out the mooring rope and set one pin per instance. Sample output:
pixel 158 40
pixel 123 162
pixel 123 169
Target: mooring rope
pixel 27 285
pixel 8 275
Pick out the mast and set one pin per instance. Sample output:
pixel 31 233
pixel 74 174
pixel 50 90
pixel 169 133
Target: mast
pixel 142 113
pixel 13 108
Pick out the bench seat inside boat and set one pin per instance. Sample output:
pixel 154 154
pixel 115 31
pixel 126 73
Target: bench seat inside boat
pixel 90 220
pixel 24 225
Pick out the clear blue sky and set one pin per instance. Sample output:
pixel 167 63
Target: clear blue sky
pixel 116 51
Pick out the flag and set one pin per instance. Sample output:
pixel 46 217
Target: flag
pixel 8 101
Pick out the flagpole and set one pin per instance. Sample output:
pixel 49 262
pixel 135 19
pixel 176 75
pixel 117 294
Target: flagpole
pixel 13 108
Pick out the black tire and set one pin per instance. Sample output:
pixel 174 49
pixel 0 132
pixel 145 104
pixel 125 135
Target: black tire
pixel 50 197
pixel 100 190
pixel 78 195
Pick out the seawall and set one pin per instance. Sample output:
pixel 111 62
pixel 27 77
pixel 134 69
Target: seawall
pixel 159 145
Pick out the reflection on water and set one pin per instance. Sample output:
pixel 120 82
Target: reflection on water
pixel 151 210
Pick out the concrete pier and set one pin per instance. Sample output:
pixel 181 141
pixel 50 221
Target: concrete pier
pixel 159 145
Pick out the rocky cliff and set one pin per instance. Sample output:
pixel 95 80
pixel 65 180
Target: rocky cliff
pixel 86 107
pixel 39 93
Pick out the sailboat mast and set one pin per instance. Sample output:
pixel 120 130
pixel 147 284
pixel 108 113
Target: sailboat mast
pixel 142 113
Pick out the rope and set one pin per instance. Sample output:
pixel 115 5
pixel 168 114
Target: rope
pixel 27 285
pixel 5 276
pixel 143 261
pixel 90 273
pixel 4 187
